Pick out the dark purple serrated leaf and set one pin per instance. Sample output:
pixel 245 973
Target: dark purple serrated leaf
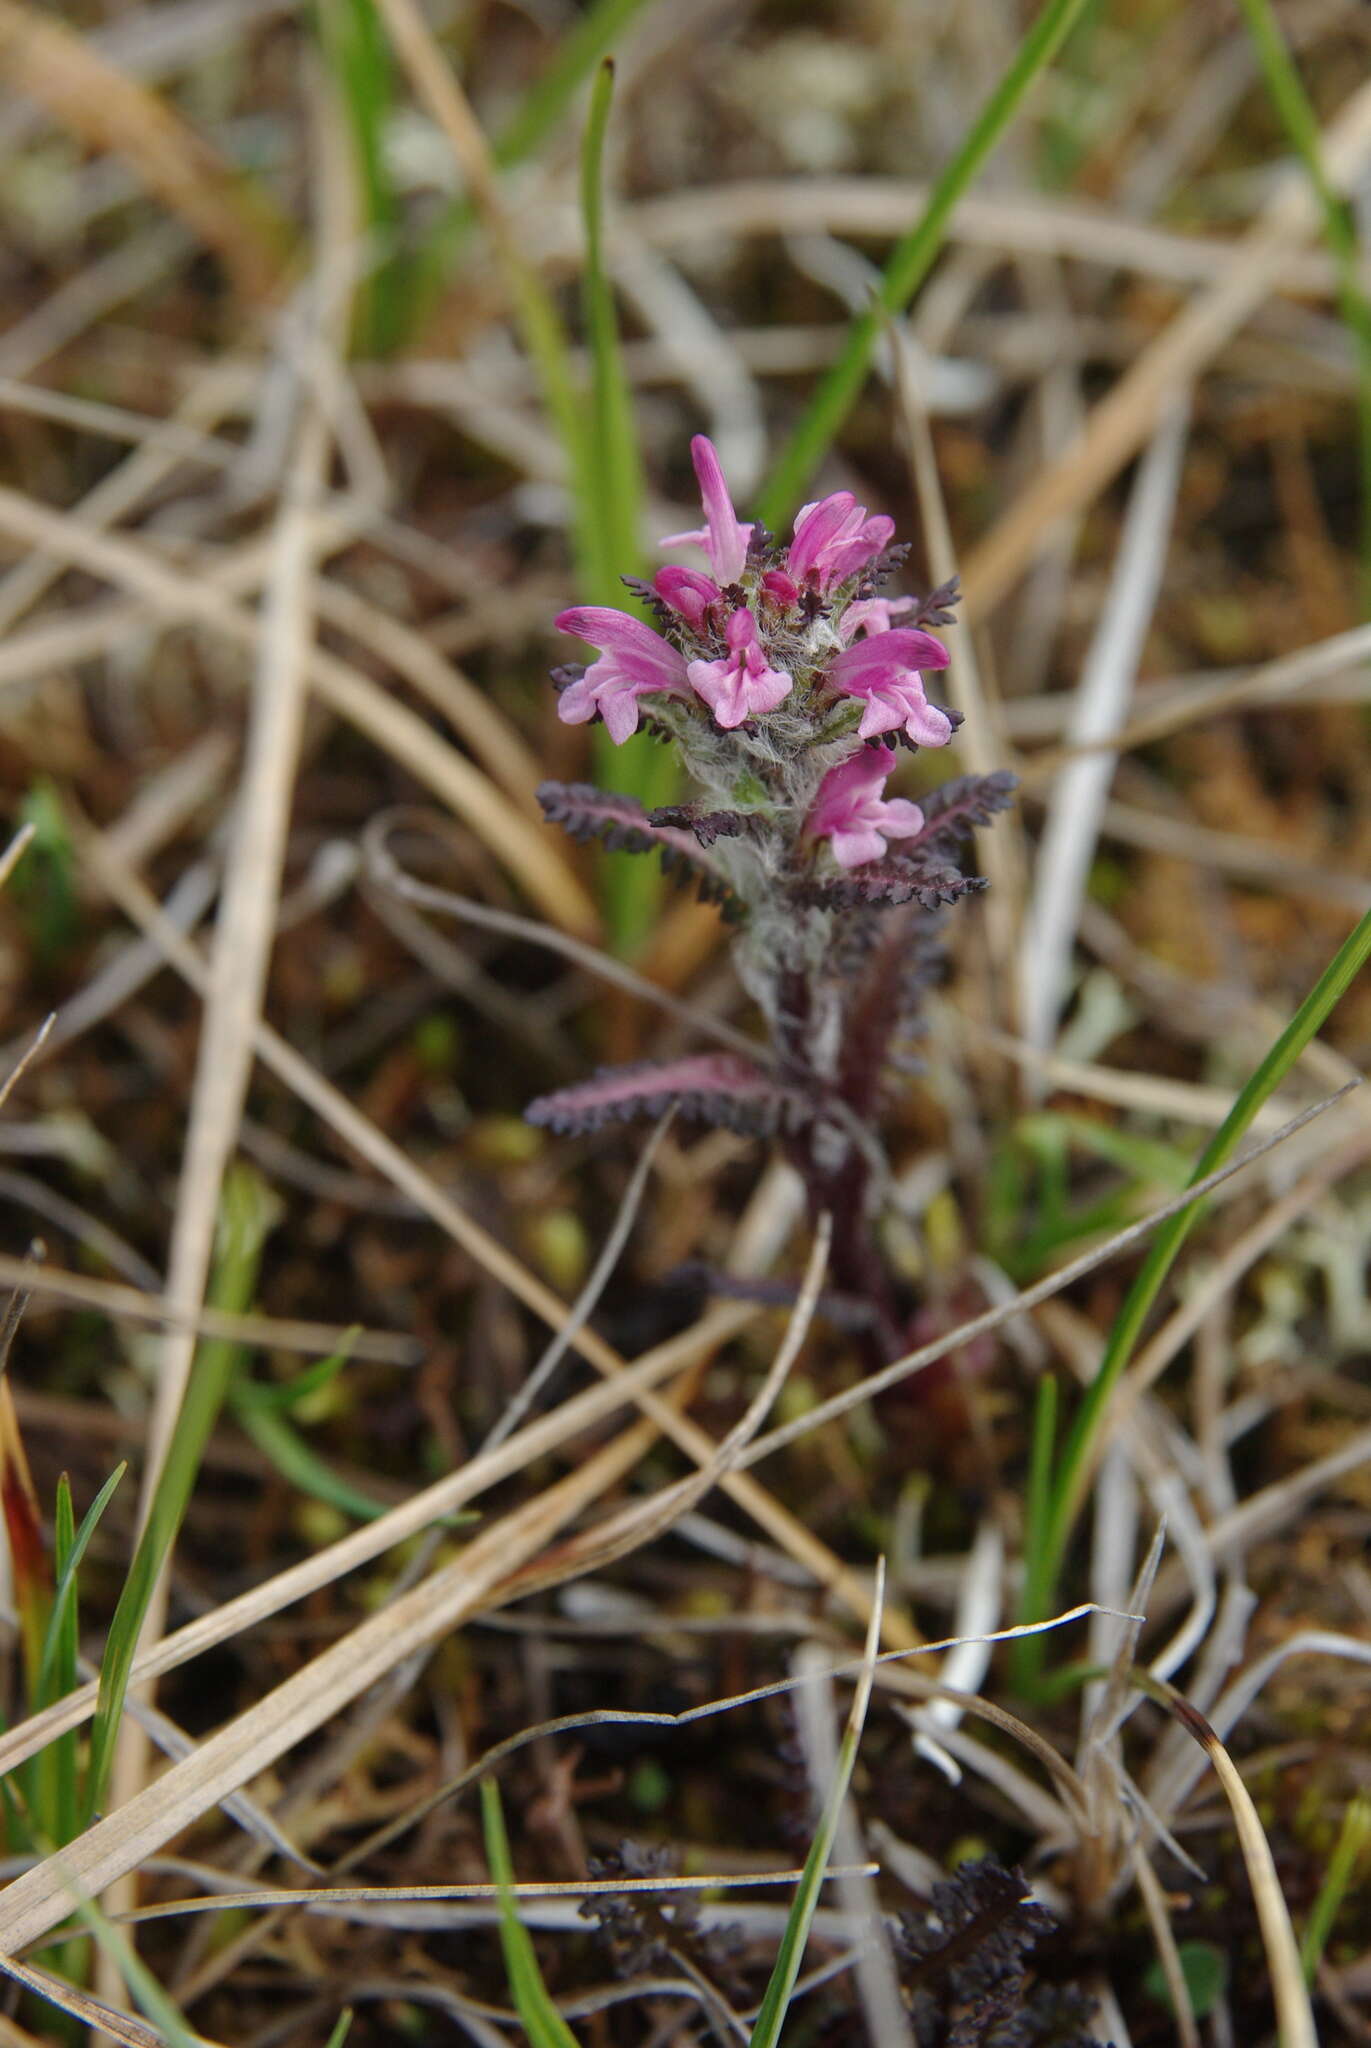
pixel 926 880
pixel 952 811
pixel 707 826
pixel 712 1087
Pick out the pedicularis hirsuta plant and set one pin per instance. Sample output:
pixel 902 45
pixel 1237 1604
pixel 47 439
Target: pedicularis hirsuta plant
pixel 785 680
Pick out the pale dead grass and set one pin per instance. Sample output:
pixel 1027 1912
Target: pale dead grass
pixel 260 566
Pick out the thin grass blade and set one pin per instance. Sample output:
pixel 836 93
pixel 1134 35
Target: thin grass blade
pixel 543 2024
pixel 908 266
pixel 248 1213
pixel 766 2033
pixel 1046 1543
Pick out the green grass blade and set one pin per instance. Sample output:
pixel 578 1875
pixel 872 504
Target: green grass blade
pixel 342 2027
pixel 544 105
pixel 1046 1544
pixel 908 266
pixel 248 1212
pixel 297 1463
pixel 1348 1851
pixel 542 2022
pixel 57 1666
pixel 141 1981
pixel 287 1394
pixel 578 52
pixel 55 1793
pixel 611 521
pixel 358 54
pixel 614 469
pixel 1339 227
pixel 766 2032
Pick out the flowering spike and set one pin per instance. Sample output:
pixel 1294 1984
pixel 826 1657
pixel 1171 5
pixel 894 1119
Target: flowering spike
pixel 767 674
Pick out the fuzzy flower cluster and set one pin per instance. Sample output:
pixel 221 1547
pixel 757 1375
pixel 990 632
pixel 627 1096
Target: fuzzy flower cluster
pixel 783 679
pixel 779 673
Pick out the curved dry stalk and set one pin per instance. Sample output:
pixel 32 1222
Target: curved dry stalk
pixel 1294 2014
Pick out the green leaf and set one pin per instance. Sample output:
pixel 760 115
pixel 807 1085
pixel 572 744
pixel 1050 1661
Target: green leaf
pixel 293 1458
pixel 55 1787
pixel 1205 1970
pixel 542 2022
pixel 248 1212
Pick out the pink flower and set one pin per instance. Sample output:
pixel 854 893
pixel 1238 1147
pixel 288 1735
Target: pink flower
pixel 850 812
pixel 741 685
pixel 687 592
pixel 882 669
pixel 780 589
pixel 723 539
pixel 633 661
pixel 872 615
pixel 834 538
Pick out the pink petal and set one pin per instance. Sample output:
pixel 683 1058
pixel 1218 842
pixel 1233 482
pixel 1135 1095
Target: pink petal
pixel 620 713
pixel 576 703
pixel 687 592
pixel 723 537
pixel 815 527
pixel 780 589
pixel 728 539
pixel 900 819
pixel 642 654
pixel 852 848
pixel 903 647
pixel 872 615
pixel 929 725
pixel 881 715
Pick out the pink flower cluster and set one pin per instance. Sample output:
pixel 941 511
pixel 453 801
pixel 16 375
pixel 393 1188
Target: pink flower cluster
pixel 797 626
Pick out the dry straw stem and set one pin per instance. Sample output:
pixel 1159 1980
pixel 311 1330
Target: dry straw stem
pixel 322 1568
pixel 131 483
pixel 983 739
pixel 1121 422
pixel 527 848
pixel 360 1133
pixel 1077 800
pixel 1015 224
pixel 105 109
pixel 1294 2015
pixel 1190 1102
pixel 41 1898
pixel 91 2012
pixel 323 1897
pixel 1274 682
pixel 319 1340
